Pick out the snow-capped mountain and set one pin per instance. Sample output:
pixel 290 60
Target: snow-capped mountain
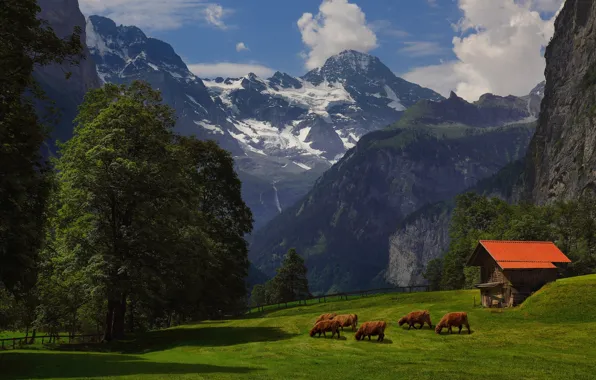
pixel 283 131
pixel 325 112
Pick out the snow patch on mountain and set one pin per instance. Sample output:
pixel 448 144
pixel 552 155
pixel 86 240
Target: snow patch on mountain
pixel 395 102
pixel 208 126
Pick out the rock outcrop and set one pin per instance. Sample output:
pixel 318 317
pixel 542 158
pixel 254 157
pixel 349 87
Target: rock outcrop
pixel 562 156
pixel 63 16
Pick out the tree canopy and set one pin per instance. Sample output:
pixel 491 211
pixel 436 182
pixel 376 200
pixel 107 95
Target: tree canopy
pixel 25 176
pixel 154 220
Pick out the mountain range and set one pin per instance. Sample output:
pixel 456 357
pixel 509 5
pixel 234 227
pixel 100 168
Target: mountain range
pixel 283 131
pixel 376 217
pixel 351 162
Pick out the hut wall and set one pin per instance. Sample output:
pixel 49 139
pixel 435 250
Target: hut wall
pixel 489 270
pixel 530 280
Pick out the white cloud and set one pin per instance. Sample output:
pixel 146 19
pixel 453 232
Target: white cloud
pixel 338 26
pixel 240 46
pixel 432 3
pixel 214 13
pixel 157 14
pixel 422 49
pixel 229 69
pixel 501 56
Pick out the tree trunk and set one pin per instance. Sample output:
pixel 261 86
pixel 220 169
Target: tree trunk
pixel 74 324
pixel 119 313
pixel 32 341
pixel 131 318
pixel 107 336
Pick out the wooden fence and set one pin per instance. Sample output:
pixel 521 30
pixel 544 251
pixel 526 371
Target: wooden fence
pixel 19 342
pixel 324 297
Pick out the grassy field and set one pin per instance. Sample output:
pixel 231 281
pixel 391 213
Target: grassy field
pixel 550 337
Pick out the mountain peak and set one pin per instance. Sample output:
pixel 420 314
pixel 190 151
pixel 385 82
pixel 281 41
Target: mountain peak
pixel 353 59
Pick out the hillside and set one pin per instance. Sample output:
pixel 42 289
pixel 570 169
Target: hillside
pixel 549 337
pixel 342 227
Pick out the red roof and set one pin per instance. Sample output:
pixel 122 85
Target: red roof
pixel 524 265
pixel 524 254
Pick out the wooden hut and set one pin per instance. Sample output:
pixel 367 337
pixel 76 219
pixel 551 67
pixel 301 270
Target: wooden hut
pixel 512 270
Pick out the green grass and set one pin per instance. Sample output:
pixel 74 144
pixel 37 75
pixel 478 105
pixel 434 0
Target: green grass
pixel 550 337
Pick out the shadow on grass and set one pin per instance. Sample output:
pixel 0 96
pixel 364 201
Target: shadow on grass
pixel 463 332
pixel 341 337
pixel 35 365
pixel 405 328
pixel 177 337
pixel 373 340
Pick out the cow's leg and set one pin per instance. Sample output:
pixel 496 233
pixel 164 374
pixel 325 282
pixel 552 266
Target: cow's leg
pixel 468 327
pixel 460 326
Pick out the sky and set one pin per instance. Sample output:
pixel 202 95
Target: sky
pixel 468 46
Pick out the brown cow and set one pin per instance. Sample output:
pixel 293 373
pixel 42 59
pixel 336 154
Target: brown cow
pixel 346 320
pixel 324 317
pixel 372 328
pixel 416 317
pixel 449 320
pixel 323 326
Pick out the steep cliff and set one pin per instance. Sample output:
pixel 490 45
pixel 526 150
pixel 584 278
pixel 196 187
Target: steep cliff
pixel 562 157
pixel 424 234
pixel 63 16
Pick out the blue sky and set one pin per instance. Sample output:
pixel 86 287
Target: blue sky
pixel 470 46
pixel 269 29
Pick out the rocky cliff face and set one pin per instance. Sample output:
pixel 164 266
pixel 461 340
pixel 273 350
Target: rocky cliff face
pixel 562 157
pixel 63 16
pixel 424 235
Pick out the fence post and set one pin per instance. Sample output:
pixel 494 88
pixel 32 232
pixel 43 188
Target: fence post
pixel 13 343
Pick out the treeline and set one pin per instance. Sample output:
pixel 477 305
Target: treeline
pixel 131 226
pixel 570 225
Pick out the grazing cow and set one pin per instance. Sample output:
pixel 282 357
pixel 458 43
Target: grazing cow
pixel 416 317
pixel 450 320
pixel 372 328
pixel 346 320
pixel 324 317
pixel 324 326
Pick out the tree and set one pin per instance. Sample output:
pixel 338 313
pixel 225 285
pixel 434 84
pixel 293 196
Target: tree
pixel 25 177
pixel 475 217
pixel 154 220
pixel 258 295
pixel 433 273
pixel 290 282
